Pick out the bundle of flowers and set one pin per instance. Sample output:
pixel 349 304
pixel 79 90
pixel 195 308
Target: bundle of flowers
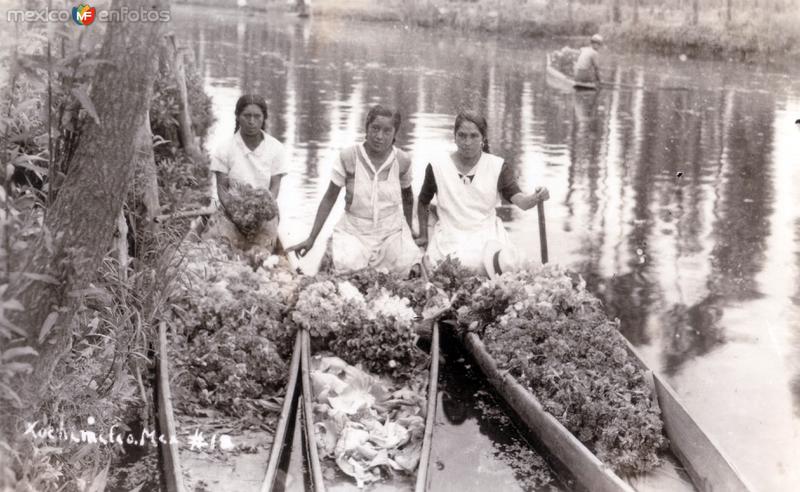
pixel 249 208
pixel 230 336
pixel 376 330
pixel 426 298
pixel 564 60
pixel 555 339
pixel 384 341
pixel 368 427
pixel 325 306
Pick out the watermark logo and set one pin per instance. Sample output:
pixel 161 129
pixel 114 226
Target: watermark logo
pixel 83 15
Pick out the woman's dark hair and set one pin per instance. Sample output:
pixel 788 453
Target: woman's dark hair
pixel 379 110
pixel 479 121
pixel 247 100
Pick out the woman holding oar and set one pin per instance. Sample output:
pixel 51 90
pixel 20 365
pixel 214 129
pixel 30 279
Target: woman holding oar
pixel 374 230
pixel 251 164
pixel 468 185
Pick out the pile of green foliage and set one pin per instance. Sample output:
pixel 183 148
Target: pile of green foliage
pixel 375 329
pixel 230 338
pixel 553 336
pixel 564 60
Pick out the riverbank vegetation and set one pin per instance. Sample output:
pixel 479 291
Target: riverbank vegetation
pixel 745 30
pixel 83 268
pixel 737 29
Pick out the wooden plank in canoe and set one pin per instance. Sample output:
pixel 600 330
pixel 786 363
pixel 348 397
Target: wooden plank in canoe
pixel 306 403
pixel 170 460
pixel 589 471
pixel 280 443
pixel 430 415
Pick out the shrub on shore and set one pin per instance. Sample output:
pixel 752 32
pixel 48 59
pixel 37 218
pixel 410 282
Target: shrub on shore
pixel 751 34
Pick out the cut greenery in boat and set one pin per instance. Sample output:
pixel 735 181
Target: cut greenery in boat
pixel 553 336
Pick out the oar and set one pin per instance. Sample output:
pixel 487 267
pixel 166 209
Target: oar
pixel 542 232
pixel 612 85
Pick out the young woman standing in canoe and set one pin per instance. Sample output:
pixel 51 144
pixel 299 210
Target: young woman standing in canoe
pixel 375 230
pixel 468 185
pixel 251 157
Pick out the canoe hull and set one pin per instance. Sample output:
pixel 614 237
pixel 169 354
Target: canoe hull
pixel 586 468
pixel 563 82
pixel 708 468
pixel 173 466
pixel 170 456
pixel 704 461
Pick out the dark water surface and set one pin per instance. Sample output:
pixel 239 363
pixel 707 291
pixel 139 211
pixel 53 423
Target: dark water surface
pixel 680 208
pixel 477 444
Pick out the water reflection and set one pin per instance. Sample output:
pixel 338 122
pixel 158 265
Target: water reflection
pixel 677 206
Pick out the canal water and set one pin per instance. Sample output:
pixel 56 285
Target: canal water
pixel 679 207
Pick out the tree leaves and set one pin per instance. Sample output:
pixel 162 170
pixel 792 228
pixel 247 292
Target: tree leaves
pixel 48 324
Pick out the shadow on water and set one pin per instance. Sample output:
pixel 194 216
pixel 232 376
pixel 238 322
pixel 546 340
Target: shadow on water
pixel 477 442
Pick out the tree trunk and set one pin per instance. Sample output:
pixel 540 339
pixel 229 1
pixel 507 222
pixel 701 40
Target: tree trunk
pixel 143 199
pixel 728 10
pixel 184 118
pixel 81 222
pixel 635 11
pixel 695 12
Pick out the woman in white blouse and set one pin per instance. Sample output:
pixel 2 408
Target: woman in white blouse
pixel 375 228
pixel 252 157
pixel 468 185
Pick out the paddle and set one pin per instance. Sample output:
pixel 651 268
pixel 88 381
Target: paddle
pixel 612 85
pixel 542 232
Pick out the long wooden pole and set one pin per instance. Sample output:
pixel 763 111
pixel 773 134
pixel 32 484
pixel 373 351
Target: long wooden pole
pixel 542 232
pixel 613 85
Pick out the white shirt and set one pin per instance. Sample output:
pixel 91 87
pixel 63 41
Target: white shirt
pixel 588 61
pixel 254 167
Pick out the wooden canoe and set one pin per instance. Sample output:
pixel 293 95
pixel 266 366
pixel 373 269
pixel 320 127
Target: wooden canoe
pixel 705 463
pixel 562 81
pixel 315 464
pixel 242 472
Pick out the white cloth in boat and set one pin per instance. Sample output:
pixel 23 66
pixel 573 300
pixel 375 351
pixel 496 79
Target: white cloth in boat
pixel 466 211
pixel 373 232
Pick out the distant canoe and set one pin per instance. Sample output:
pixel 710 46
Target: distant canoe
pixel 705 464
pixel 564 82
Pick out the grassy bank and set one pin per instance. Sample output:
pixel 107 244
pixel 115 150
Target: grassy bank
pixel 755 32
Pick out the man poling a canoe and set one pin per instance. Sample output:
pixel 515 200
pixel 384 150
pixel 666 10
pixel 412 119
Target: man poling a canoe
pixel 468 185
pixel 587 68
